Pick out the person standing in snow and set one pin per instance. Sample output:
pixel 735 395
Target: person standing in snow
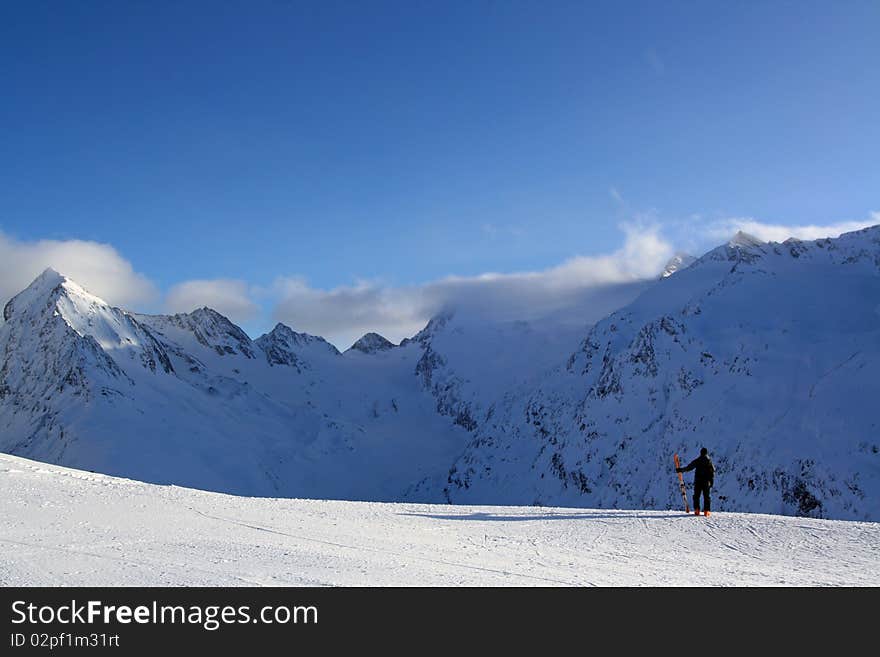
pixel 704 478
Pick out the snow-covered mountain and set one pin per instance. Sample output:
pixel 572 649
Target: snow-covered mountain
pixel 284 346
pixel 370 343
pixel 190 399
pixel 765 353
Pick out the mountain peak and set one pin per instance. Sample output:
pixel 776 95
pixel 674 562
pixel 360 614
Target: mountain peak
pixel 210 329
pixel 676 263
pixel 284 332
pixel 209 314
pixel 49 275
pixel 434 325
pixel 744 240
pixel 370 343
pixel 63 328
pixel 284 346
pixel 41 287
pixel 282 329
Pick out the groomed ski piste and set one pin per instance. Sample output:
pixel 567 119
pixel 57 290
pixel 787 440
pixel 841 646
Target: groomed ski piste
pixel 65 527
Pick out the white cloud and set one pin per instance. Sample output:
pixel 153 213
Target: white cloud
pixel 345 313
pixel 593 285
pixel 98 267
pixel 231 298
pixel 596 285
pixel 585 287
pixel 726 228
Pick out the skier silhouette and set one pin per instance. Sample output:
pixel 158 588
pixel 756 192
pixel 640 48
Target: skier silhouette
pixel 704 478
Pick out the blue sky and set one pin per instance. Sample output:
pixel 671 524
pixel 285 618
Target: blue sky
pixel 334 144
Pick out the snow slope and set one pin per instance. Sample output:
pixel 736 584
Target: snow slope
pixel 61 526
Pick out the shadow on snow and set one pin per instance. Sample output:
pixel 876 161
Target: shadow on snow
pixel 589 515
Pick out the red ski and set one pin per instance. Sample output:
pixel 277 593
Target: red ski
pixel 684 496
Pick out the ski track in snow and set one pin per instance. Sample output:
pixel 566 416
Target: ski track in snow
pixel 67 527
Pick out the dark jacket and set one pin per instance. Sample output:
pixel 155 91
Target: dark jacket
pixel 704 470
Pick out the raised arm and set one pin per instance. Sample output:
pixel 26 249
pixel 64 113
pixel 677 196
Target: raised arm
pixel 690 466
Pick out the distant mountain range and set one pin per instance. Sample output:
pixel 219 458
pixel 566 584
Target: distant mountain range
pixel 766 353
